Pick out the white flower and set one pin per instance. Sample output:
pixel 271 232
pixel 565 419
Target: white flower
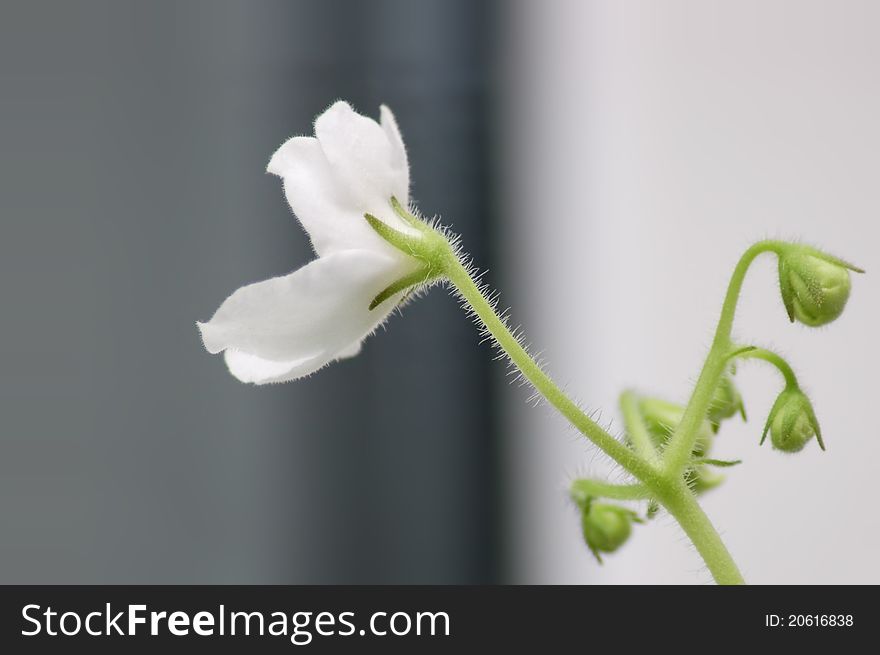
pixel 290 326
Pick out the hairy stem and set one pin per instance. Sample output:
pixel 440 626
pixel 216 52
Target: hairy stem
pixel 681 444
pixel 583 488
pixel 776 360
pixel 462 281
pixel 681 503
pixel 635 427
pixel 670 490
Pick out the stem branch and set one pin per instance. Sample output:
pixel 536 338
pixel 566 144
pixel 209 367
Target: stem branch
pixel 666 486
pixel 583 488
pixel 681 444
pixel 774 359
pixel 462 281
pixel 634 422
pixel 683 506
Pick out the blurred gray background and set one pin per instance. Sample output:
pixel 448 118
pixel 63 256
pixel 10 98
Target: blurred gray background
pixel 606 161
pixel 133 143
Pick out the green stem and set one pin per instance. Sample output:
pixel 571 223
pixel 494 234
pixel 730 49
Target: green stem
pixel 681 503
pixel 635 427
pixel 583 488
pixel 462 281
pixel 776 360
pixel 681 444
pixel 669 489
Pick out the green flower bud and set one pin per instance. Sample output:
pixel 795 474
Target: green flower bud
pixel 701 479
pixel 606 527
pixel 814 286
pixel 725 403
pixel 662 418
pixel 792 422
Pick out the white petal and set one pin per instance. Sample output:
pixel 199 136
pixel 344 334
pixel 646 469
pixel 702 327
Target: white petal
pixel 330 215
pixel 256 370
pixel 399 160
pixel 351 351
pixel 317 311
pixel 364 158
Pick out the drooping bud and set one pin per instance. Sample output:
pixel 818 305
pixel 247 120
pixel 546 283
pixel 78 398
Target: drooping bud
pixel 814 286
pixel 726 402
pixel 606 527
pixel 792 422
pixel 701 479
pixel 662 418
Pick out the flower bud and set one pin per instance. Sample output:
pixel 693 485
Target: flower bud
pixel 606 527
pixel 662 418
pixel 725 403
pixel 792 422
pixel 814 286
pixel 701 479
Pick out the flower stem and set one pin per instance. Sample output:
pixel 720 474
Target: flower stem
pixel 583 488
pixel 670 490
pixel 635 427
pixel 776 360
pixel 458 275
pixel 681 503
pixel 681 444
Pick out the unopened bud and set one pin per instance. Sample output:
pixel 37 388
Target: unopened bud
pixel 701 479
pixel 792 422
pixel 662 418
pixel 606 527
pixel 814 286
pixel 725 403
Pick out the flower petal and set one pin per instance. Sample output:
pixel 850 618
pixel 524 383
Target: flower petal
pixel 365 159
pixel 256 370
pixel 399 160
pixel 333 220
pixel 351 351
pixel 317 311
